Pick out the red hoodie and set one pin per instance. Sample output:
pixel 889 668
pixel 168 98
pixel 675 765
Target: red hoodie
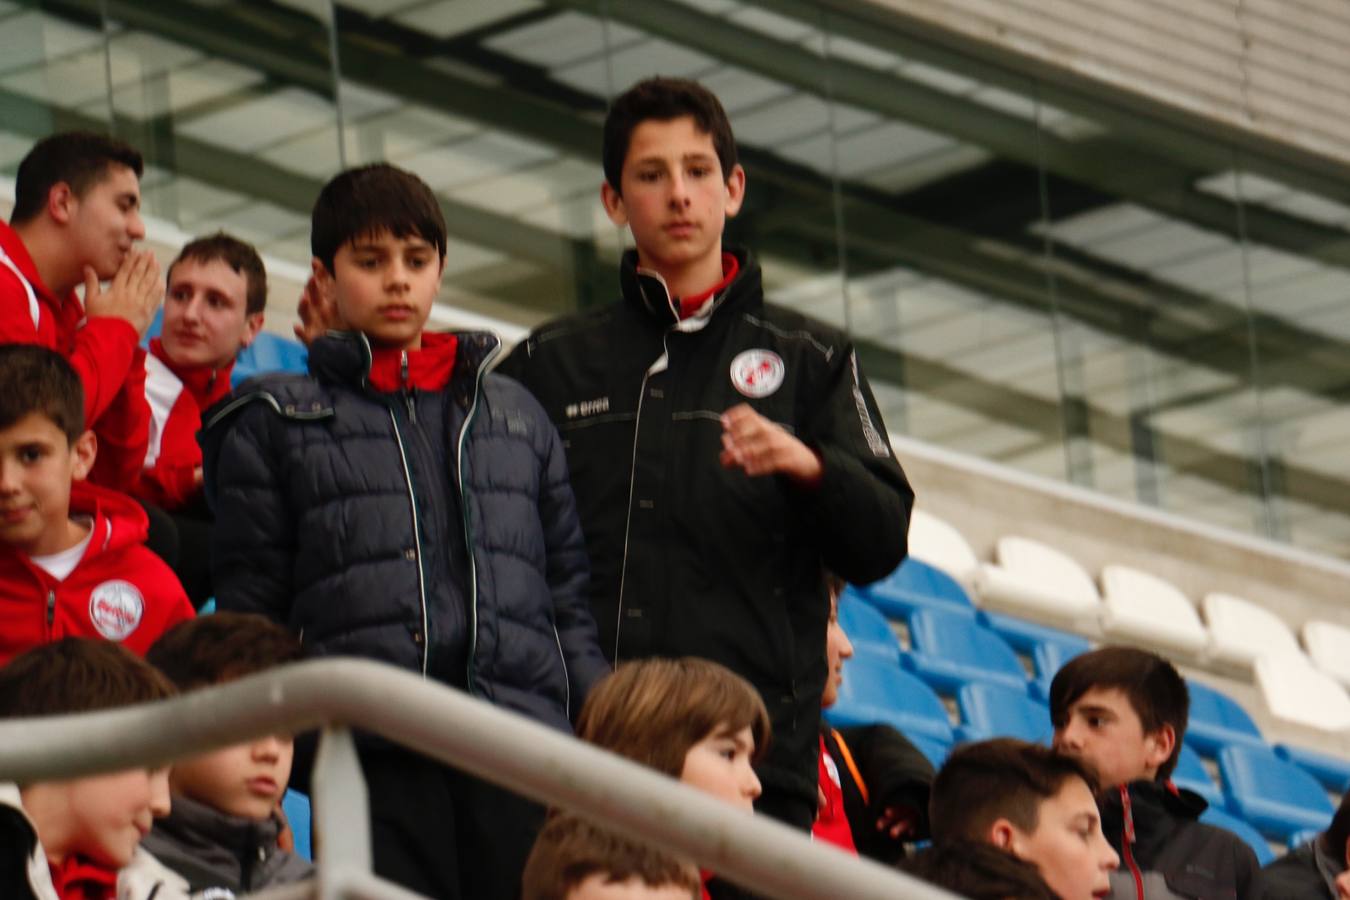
pixel 103 350
pixel 119 590
pixel 177 396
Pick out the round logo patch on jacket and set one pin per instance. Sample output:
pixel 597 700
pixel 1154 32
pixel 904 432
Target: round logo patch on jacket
pixel 116 608
pixel 757 373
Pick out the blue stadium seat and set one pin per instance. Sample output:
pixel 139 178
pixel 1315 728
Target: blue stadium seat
pixel 296 807
pixel 270 353
pixel 1190 773
pixel 992 710
pixel 933 750
pixel 917 585
pixel 1277 797
pixel 1332 771
pixel 1217 720
pixel 867 628
pixel 875 691
pixel 950 649
pixel 1049 657
pixel 1260 846
pixel 1023 635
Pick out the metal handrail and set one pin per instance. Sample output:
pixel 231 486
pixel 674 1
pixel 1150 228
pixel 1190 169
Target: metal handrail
pixel 459 730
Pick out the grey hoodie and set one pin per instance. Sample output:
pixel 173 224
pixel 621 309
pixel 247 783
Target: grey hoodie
pixel 223 854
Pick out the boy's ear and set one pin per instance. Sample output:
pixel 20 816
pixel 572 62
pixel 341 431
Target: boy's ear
pixel 253 323
pixel 84 450
pixel 61 201
pixel 735 190
pixel 1158 745
pixel 614 207
pixel 323 280
pixel 1002 834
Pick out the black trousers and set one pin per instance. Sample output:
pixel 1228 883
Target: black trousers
pixel 444 833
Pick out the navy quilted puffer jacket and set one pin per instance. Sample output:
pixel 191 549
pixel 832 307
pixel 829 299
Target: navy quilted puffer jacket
pixel 434 530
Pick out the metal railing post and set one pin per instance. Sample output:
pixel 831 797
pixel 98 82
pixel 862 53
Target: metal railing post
pixel 341 811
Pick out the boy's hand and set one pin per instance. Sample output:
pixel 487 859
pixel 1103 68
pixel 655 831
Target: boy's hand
pixel 757 446
pixel 898 821
pixel 133 295
pixel 318 314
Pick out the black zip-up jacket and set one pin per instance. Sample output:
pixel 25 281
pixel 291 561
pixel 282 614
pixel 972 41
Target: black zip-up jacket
pixel 434 530
pixel 688 557
pixel 1308 872
pixel 1166 852
pixel 890 772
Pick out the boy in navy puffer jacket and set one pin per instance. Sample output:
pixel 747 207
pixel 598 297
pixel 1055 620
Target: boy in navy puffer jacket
pixel 402 504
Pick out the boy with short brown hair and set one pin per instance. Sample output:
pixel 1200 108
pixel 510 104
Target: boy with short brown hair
pixel 71 558
pixel 77 839
pixel 1124 711
pixel 723 450
pixel 575 860
pixel 222 834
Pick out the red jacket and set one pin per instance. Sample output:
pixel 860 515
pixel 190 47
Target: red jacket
pixel 177 397
pixel 104 351
pixel 119 590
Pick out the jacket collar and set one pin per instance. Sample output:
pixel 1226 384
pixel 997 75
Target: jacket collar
pixel 206 385
pixel 1155 808
pixel 346 357
pixel 428 368
pixel 14 823
pixel 198 825
pixel 18 254
pixel 647 291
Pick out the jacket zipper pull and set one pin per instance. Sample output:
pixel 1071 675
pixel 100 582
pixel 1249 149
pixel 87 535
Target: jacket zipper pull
pixel 51 608
pixel 407 389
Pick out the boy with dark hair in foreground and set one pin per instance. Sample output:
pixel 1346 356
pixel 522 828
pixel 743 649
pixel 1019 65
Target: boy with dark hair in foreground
pixel 77 839
pixel 71 559
pixel 723 451
pixel 575 860
pixel 402 504
pixel 76 216
pixel 1028 801
pixel 1124 711
pixel 223 831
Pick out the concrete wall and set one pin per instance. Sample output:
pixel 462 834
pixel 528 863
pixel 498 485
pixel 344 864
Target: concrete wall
pixel 1276 70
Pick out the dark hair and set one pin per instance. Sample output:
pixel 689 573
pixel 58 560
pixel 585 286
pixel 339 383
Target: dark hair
pixel 238 255
pixel 569 850
pixel 1338 832
pixel 370 200
pixel 979 871
pixel 663 100
pixel 1156 691
pixel 76 675
pixel 221 647
pixel 1000 779
pixel 38 380
pixel 81 159
pixel 653 710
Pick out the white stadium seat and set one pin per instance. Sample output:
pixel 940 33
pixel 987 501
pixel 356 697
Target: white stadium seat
pixel 1141 608
pixel 1035 580
pixel 1243 632
pixel 1297 692
pixel 1329 646
pixel 939 544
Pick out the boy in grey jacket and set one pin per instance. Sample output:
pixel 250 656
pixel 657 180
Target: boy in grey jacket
pixel 222 833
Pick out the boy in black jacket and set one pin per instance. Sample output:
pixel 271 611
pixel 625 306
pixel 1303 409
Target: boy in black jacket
pixel 1124 712
pixel 1318 870
pixel 402 504
pixel 723 451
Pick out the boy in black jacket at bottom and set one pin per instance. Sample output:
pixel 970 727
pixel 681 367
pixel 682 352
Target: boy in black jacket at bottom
pixel 1319 870
pixel 223 830
pixel 1124 712
pixel 401 503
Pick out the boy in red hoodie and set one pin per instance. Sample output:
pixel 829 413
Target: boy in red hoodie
pixel 217 288
pixel 76 216
pixel 71 556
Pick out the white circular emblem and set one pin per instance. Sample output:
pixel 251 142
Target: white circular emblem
pixel 757 373
pixel 115 608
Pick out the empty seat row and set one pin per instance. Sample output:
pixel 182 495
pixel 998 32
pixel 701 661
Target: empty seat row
pixel 1030 579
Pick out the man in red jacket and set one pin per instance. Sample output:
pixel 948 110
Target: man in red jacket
pixel 72 563
pixel 213 309
pixel 76 216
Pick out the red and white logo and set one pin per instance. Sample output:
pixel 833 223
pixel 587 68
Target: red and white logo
pixel 116 608
pixel 757 373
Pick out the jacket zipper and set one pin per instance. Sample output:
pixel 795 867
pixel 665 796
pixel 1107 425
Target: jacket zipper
pixel 1128 843
pixel 51 610
pixel 407 389
pixel 417 539
pixel 464 513
pixel 632 473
